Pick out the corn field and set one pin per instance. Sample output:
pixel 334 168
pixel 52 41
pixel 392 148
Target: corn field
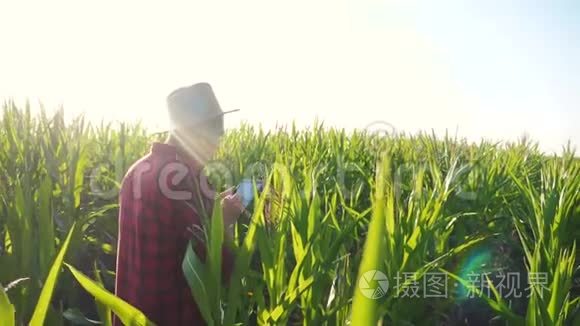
pixel 446 223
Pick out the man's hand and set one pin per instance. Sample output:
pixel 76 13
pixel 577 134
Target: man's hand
pixel 232 208
pixel 227 192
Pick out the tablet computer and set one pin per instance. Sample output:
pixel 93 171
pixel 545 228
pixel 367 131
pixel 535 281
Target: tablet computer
pixel 246 190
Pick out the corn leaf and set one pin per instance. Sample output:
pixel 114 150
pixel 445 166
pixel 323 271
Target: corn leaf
pixel 196 275
pixel 364 308
pixel 128 314
pixel 50 283
pixel 6 309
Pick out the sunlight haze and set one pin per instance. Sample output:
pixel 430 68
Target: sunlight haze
pixel 488 69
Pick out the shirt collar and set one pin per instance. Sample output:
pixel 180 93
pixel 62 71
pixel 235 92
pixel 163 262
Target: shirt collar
pixel 164 149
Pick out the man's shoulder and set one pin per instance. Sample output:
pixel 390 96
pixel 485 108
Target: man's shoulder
pixel 148 169
pixel 143 170
pixel 139 177
pixel 141 165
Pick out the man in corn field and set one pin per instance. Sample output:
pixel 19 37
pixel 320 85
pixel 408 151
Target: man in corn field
pixel 162 200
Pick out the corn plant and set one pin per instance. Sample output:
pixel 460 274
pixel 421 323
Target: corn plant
pixel 336 205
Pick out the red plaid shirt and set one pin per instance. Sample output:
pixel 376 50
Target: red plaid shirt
pixel 154 224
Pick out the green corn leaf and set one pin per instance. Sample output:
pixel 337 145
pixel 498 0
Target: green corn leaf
pixel 46 234
pixel 6 309
pixel 76 317
pixel 196 275
pixel 284 308
pixel 50 283
pixel 128 314
pixel 364 308
pixel 498 306
pixel 297 243
pixel 214 261
pixel 102 309
pixel 244 256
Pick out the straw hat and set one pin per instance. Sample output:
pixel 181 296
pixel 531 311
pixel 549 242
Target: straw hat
pixel 193 106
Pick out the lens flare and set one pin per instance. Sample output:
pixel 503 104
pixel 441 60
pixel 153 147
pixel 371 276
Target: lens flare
pixel 472 268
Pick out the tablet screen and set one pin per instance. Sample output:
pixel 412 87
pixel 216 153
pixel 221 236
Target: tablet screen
pixel 246 191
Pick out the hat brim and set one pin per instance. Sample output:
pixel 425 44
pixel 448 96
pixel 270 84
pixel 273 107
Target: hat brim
pixel 226 112
pixel 221 114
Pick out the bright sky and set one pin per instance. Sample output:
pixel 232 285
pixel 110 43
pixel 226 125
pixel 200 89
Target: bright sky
pixel 493 68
